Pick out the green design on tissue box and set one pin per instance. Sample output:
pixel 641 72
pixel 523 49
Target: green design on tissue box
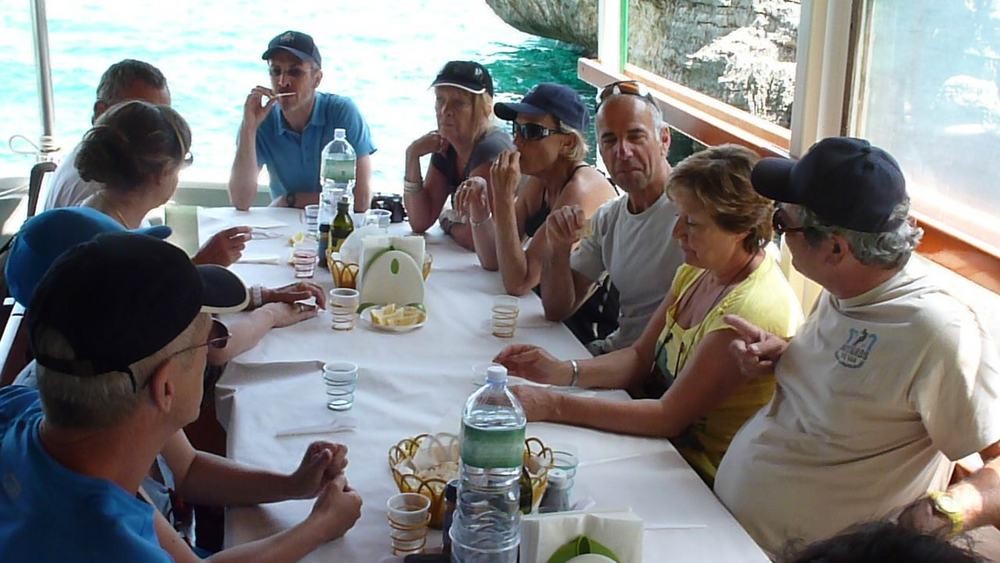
pixel 580 545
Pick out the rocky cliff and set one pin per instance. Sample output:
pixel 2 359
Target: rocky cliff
pixel 739 51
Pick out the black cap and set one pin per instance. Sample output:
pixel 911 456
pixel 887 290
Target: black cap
pixel 846 182
pixel 297 43
pixel 467 75
pixel 122 297
pixel 561 102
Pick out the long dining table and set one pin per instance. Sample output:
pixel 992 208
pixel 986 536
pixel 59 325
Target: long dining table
pixel 417 382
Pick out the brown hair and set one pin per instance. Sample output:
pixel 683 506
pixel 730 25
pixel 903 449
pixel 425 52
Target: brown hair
pixel 719 179
pixel 132 142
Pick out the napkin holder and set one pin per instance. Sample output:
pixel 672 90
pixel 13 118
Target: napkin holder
pixel 545 535
pixel 391 271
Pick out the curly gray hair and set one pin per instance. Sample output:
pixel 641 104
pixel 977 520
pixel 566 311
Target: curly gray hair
pixel 888 250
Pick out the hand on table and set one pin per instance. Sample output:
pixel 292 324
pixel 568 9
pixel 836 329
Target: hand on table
pixel 534 363
pixel 538 403
pixel 756 350
pixel 337 508
pixel 321 464
pixel 224 248
pixel 471 199
pixel 287 314
pixel 563 227
pixel 505 175
pixel 293 292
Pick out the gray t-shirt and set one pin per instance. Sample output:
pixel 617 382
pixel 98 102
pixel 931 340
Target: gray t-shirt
pixel 640 255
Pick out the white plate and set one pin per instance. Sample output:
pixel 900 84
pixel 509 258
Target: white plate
pixel 366 317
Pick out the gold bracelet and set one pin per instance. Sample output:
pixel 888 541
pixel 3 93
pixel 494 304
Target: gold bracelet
pixel 411 187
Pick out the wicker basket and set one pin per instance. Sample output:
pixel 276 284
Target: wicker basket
pixel 537 457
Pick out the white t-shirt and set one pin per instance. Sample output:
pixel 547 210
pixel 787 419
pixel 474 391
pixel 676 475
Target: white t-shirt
pixel 875 394
pixel 66 188
pixel 640 255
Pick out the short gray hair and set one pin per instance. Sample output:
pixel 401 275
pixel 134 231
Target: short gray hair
pixel 121 75
pixel 93 402
pixel 888 250
pixel 654 108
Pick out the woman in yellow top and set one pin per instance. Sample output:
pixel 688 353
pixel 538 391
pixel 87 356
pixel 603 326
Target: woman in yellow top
pixel 688 384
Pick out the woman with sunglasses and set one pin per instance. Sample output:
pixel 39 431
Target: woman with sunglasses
pixel 463 146
pixel 136 150
pixel 548 127
pixel 689 386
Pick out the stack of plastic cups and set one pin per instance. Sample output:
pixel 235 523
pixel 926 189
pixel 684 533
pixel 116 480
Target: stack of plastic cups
pixel 304 259
pixel 503 321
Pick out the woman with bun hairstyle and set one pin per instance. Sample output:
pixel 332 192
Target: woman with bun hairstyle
pixel 137 150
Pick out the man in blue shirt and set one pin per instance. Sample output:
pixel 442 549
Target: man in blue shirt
pixel 288 139
pixel 120 327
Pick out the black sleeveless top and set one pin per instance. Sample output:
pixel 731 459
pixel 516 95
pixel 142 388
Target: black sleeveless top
pixel 487 148
pixel 535 221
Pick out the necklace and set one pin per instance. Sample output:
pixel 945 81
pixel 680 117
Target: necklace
pixel 685 301
pixel 121 219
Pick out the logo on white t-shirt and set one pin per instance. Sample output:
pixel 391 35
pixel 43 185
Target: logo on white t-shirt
pixel 854 353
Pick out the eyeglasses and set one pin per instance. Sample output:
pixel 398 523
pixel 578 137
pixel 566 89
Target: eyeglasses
pixel 218 343
pixel 624 87
pixel 780 227
pixel 532 131
pixel 294 73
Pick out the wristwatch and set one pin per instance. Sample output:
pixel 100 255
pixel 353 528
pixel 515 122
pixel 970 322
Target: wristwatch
pixel 947 506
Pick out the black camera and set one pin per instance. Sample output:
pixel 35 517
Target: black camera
pixel 391 202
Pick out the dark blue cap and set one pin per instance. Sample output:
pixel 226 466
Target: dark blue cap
pixel 467 75
pixel 846 182
pixel 48 235
pixel 561 102
pixel 297 43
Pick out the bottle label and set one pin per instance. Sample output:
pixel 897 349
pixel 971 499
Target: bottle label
pixel 495 448
pixel 340 171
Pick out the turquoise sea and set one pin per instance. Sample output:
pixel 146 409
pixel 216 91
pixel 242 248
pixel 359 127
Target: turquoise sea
pixel 381 53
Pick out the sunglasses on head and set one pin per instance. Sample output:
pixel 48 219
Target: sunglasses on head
pixel 532 131
pixel 188 159
pixel 778 222
pixel 624 87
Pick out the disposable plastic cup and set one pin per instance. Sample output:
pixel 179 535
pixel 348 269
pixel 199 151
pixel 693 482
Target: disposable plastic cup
pixel 304 260
pixel 561 477
pixel 311 214
pixel 341 380
pixel 343 305
pixel 504 313
pixel 409 514
pixel 378 217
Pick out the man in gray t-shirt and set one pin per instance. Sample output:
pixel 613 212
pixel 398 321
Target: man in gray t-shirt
pixel 631 236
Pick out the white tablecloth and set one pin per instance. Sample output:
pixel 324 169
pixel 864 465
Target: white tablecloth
pixel 417 382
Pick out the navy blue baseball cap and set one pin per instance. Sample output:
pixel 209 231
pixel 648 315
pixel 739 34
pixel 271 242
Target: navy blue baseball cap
pixel 846 182
pixel 297 43
pixel 48 235
pixel 467 75
pixel 561 102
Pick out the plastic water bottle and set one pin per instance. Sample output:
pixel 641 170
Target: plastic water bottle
pixel 487 523
pixel 337 171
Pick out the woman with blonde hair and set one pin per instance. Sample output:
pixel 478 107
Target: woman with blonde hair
pixel 689 387
pixel 548 126
pixel 463 146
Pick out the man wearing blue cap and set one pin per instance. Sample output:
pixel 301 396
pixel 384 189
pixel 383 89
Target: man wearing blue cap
pixel 289 138
pixel 888 383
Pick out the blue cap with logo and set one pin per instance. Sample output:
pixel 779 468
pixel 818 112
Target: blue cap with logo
pixel 561 102
pixel 297 43
pixel 846 182
pixel 46 236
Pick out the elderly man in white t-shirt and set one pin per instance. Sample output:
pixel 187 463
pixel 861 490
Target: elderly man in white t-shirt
pixel 630 238
pixel 888 383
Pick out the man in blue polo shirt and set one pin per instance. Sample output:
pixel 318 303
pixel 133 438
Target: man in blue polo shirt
pixel 289 139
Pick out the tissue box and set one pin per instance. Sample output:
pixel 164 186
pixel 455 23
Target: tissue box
pixel 543 535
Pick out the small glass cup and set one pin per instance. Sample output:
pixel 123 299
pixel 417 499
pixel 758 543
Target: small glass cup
pixel 311 214
pixel 341 380
pixel 561 477
pixel 378 217
pixel 304 259
pixel 409 514
pixel 503 321
pixel 343 305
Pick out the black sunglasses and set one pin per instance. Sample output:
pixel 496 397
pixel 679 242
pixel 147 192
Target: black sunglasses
pixel 532 131
pixel 626 87
pixel 779 225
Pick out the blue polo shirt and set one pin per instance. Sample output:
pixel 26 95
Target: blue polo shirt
pixel 292 159
pixel 50 513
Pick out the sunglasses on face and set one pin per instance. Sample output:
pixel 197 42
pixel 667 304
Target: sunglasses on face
pixel 294 73
pixel 624 87
pixel 780 225
pixel 532 131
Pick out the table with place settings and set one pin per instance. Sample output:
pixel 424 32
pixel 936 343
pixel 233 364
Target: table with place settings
pixel 272 402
